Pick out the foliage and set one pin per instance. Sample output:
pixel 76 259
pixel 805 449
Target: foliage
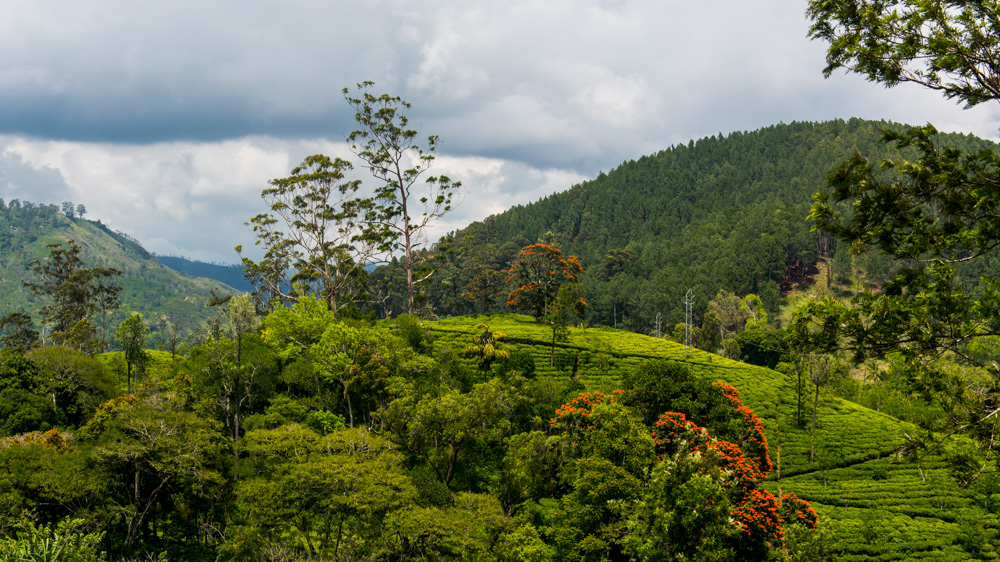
pixel 131 334
pixel 488 281
pixel 487 346
pixel 314 229
pixel 537 275
pixel 439 429
pixel 66 542
pixel 19 332
pixel 395 158
pixel 75 383
pixel 356 358
pixel 160 459
pixel 72 293
pixel 943 46
pixel 321 494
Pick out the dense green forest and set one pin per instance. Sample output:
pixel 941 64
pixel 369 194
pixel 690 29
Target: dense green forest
pixel 720 213
pixel 309 438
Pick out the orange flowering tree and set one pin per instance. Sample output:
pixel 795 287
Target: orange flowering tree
pixel 537 274
pixel 759 516
pixel 703 492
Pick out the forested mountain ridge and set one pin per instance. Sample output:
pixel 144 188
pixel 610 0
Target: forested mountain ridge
pixel 231 275
pixel 723 212
pixel 148 286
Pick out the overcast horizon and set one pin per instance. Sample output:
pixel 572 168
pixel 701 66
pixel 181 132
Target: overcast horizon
pixel 166 121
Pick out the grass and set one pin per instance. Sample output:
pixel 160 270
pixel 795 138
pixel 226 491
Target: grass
pixel 880 506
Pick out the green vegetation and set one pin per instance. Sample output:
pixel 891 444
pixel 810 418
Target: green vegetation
pixel 719 213
pixel 907 508
pixel 147 287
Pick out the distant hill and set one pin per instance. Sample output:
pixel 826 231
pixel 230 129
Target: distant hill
pixel 231 275
pixel 723 212
pixel 148 286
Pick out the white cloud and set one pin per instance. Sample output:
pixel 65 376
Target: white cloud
pixel 168 119
pixel 192 199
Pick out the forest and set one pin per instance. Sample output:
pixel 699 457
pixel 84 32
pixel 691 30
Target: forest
pixel 773 345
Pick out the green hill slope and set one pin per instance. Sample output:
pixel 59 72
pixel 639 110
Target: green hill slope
pixel 148 286
pixel 723 212
pixel 881 507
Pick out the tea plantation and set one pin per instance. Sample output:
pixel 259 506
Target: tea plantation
pixel 878 505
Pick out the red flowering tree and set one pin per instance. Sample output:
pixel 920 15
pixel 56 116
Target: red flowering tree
pixel 744 462
pixel 537 274
pixel 704 493
pixel 597 424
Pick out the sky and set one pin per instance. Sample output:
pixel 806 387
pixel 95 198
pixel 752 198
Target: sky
pixel 167 119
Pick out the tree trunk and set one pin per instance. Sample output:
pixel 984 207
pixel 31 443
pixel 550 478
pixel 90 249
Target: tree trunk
pixel 812 438
pixel 798 410
pixel 350 410
pixel 552 356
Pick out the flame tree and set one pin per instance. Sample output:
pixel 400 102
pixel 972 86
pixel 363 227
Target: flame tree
pixel 537 274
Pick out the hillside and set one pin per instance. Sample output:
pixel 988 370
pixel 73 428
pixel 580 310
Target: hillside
pixel 881 507
pixel 148 286
pixel 230 275
pixel 723 212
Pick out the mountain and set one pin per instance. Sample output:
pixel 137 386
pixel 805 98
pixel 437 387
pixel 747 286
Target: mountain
pixel 723 212
pixel 231 275
pixel 148 286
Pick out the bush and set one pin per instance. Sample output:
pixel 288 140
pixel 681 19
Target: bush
pixel 521 361
pixel 414 333
pixel 65 543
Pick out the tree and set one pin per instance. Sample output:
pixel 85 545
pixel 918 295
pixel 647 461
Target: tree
pixel 754 308
pixel 396 158
pixel 315 491
pixel 938 211
pixel 74 382
pixel 70 291
pixel 537 274
pixel 486 345
pixel 131 334
pixel 68 209
pixel 19 332
pixel 487 282
pixel 336 353
pixel 439 429
pixel 159 459
pixel 946 46
pixel 567 304
pixel 313 229
pixel 81 210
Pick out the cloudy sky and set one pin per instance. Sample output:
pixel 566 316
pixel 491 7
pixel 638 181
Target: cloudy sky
pixel 167 119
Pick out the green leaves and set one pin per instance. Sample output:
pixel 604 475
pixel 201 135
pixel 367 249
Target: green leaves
pixel 317 491
pixel 396 159
pixel 316 228
pixel 948 46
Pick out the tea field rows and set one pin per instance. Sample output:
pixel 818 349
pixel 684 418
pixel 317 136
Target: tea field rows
pixel 879 505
